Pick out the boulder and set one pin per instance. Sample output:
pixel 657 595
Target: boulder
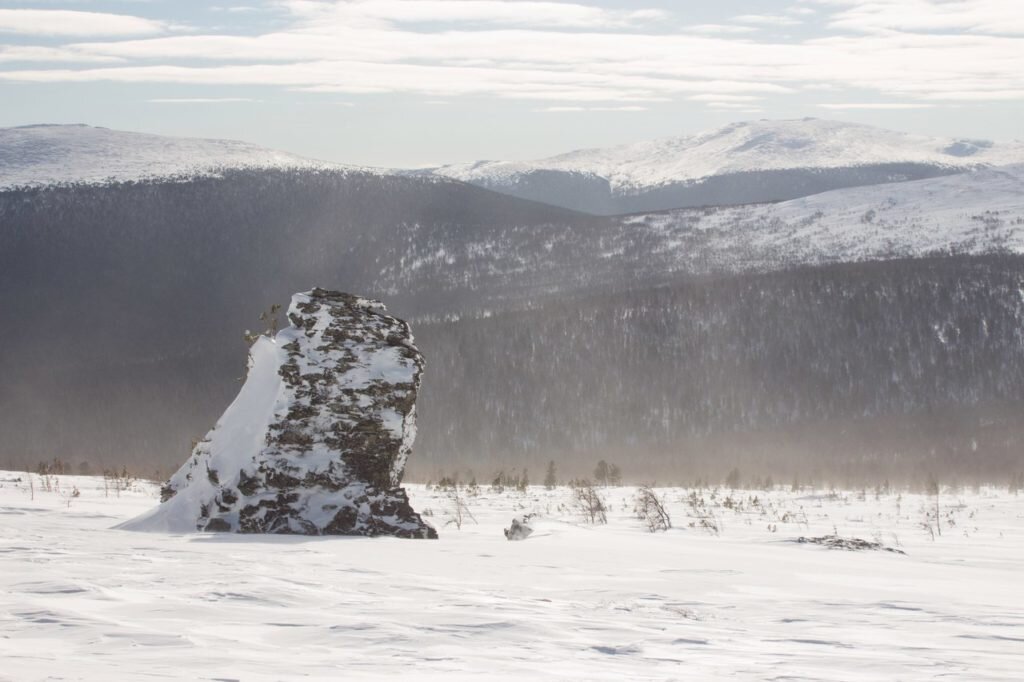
pixel 520 528
pixel 317 440
pixel 852 544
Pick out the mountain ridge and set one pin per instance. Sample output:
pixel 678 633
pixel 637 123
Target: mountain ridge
pixel 743 162
pixel 54 154
pixel 751 146
pixel 123 305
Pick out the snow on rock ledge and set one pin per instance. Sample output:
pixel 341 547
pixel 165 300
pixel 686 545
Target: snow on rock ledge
pixel 317 439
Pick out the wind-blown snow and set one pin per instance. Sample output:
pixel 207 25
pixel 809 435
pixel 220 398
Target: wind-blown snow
pixel 240 432
pixel 749 146
pixel 61 154
pixel 572 602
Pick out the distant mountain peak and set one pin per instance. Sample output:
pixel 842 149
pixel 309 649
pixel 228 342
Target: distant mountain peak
pixel 48 154
pixel 806 156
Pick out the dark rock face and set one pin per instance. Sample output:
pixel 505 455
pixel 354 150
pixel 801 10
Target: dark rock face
pixel 317 439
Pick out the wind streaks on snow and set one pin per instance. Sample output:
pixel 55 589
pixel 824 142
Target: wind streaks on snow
pixel 82 601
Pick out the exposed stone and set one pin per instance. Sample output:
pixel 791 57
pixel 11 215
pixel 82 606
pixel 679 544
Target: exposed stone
pixel 852 544
pixel 317 439
pixel 520 528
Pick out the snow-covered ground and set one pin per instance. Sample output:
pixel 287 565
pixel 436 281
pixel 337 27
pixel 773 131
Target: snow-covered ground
pixel 976 212
pixel 57 154
pixel 79 600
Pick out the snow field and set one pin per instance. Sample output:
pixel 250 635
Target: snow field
pixel 79 600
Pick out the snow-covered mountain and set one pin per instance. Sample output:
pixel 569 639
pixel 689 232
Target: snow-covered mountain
pixel 740 163
pixel 975 212
pixel 65 154
pixel 122 307
pixel 752 162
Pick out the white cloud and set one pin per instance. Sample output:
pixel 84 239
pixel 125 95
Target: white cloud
pixel 502 12
pixel 237 9
pixel 200 100
pixel 46 22
pixel 583 85
pixel 712 97
pixel 31 53
pixel 568 109
pixel 998 17
pixel 718 29
pixel 767 20
pixel 564 53
pixel 876 105
pixel 730 105
pixel 977 95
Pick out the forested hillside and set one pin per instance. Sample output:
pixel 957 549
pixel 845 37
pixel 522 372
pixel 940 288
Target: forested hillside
pixel 672 344
pixel 123 307
pixel 854 371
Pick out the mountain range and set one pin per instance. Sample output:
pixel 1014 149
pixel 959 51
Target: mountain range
pixel 746 162
pixel 861 331
pixel 47 155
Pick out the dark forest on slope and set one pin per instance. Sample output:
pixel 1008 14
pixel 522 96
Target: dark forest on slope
pixel 122 311
pixel 857 372
pixel 122 308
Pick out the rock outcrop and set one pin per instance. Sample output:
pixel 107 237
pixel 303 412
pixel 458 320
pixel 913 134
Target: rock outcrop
pixel 318 437
pixel 520 528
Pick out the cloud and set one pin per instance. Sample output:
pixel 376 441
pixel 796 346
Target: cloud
pixel 732 105
pixel 237 9
pixel 31 53
pixel 200 100
pixel 46 22
pixel 997 17
pixel 715 97
pixel 564 53
pixel 437 80
pixel 501 12
pixel 877 105
pixel 568 109
pixel 977 95
pixel 717 29
pixel 767 20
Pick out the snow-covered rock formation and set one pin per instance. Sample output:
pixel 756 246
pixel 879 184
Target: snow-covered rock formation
pixel 317 439
pixel 520 528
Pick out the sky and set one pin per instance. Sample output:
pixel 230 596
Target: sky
pixel 406 83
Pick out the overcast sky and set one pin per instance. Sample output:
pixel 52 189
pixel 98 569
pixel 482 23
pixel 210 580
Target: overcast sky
pixel 421 82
